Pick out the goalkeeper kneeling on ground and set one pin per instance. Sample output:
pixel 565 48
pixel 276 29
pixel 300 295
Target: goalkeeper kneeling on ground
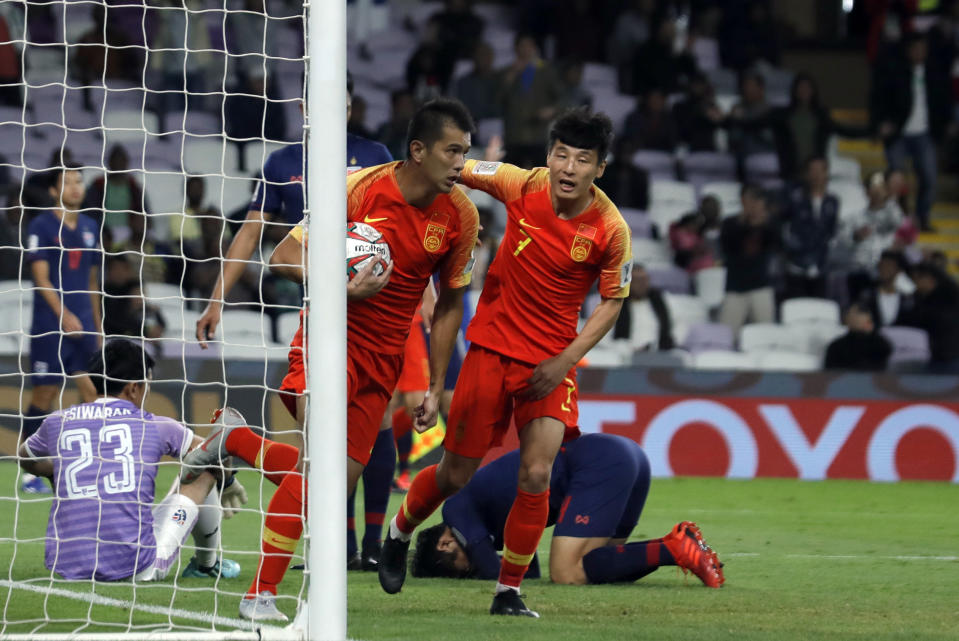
pixel 104 456
pixel 597 491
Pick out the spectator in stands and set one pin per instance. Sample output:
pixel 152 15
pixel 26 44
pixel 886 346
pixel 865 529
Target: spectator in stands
pixel 179 76
pixel 657 64
pixel 579 31
pixel 711 214
pixel 106 53
pixel 190 235
pixel 126 313
pixel 249 114
pixel 750 133
pixel 910 105
pixel 630 324
pixel 356 120
pixel 574 94
pixel 936 311
pixel 460 30
pixel 478 89
pixel 392 133
pixel 749 242
pixel 633 26
pixel 691 251
pixel 867 234
pixel 529 93
pixel 626 184
pixel 149 258
pixel 810 221
pixel 11 54
pixel 650 125
pixel 112 197
pixel 748 35
pixel 862 348
pixel 887 301
pixel 698 116
pixel 428 71
pixel 800 130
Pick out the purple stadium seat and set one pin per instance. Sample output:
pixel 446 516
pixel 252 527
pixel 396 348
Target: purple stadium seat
pixel 639 223
pixel 669 278
pixel 762 167
pixel 709 336
pixel 702 167
pixel 658 164
pixel 910 345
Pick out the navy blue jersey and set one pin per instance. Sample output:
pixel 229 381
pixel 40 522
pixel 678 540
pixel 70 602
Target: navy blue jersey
pixel 598 488
pixel 280 193
pixel 362 153
pixel 72 254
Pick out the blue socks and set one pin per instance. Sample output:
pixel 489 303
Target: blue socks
pixel 626 563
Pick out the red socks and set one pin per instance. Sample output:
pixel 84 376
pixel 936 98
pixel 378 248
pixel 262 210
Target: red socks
pixel 421 500
pixel 402 423
pixel 524 528
pixel 275 459
pixel 281 532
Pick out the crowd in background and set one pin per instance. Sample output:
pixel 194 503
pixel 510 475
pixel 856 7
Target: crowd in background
pixel 789 239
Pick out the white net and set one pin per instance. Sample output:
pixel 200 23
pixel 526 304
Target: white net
pixel 168 112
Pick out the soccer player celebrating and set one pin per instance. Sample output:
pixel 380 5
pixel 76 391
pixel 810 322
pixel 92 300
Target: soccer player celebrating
pixel 104 457
pixel 562 234
pixel 430 225
pixel 63 251
pixel 598 486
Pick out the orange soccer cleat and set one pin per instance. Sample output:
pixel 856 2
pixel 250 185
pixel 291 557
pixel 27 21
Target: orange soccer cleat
pixel 691 552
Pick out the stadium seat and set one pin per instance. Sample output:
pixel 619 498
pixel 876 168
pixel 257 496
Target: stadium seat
pixel 704 337
pixel 702 167
pixel 845 168
pixel 658 164
pixel 486 128
pixel 762 167
pixel 211 156
pixel 600 77
pixel 711 285
pixel 685 311
pixel 767 337
pixel 651 252
pixel 664 214
pixel 852 197
pixel 229 194
pixel 728 193
pixel 669 278
pixel 164 191
pixel 610 354
pixel 255 154
pixel 615 105
pixel 245 329
pixel 910 348
pixel 671 359
pixel 640 226
pixel 784 361
pixel 724 360
pixel 809 310
pixel 671 192
pixel 130 124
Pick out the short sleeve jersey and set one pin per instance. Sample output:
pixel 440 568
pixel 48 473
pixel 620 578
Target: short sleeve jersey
pixel 280 193
pixel 422 241
pixel 545 265
pixel 362 152
pixel 72 254
pixel 105 456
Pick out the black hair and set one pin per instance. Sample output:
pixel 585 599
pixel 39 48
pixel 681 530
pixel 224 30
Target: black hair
pixel 584 129
pixel 428 122
pixel 799 78
pixel 753 190
pixel 120 362
pixel 428 562
pixel 815 158
pixel 54 174
pixel 896 256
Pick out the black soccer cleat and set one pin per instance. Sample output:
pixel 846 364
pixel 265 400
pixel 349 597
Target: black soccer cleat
pixel 370 557
pixel 392 565
pixel 509 603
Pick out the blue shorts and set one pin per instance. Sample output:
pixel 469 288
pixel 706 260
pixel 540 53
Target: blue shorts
pixel 53 355
pixel 609 481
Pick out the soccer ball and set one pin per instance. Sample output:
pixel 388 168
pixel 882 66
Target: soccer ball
pixel 365 245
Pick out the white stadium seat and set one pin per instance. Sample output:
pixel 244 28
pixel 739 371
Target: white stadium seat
pixel 769 337
pixel 711 285
pixel 783 361
pixel 724 360
pixel 728 193
pixel 809 310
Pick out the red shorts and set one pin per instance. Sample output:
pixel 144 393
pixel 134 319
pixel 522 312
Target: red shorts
pixel 370 380
pixel 294 383
pixel 487 397
pixel 415 376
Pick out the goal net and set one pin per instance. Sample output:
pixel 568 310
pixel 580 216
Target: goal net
pixel 168 110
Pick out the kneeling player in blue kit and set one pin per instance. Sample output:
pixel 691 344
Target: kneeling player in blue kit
pixel 597 492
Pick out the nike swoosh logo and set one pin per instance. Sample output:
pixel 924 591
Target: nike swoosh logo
pixel 367 219
pixel 522 221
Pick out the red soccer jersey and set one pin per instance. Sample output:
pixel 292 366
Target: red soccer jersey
pixel 440 238
pixel 545 265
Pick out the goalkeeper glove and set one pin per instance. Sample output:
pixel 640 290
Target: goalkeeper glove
pixel 232 497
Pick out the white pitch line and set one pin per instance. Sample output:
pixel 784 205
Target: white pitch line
pixel 844 556
pixel 99 599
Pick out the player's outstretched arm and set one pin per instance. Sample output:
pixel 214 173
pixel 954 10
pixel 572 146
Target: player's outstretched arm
pixel 447 317
pixel 288 260
pixel 549 373
pixel 242 247
pixel 35 466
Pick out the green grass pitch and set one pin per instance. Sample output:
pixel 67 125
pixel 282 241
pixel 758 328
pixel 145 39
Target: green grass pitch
pixel 804 560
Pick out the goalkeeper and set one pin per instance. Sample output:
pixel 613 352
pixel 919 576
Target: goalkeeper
pixel 598 488
pixel 104 457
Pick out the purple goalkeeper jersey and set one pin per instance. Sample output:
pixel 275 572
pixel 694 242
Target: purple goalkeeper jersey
pixel 105 456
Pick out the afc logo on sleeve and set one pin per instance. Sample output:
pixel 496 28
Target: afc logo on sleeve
pixel 626 274
pixel 486 168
